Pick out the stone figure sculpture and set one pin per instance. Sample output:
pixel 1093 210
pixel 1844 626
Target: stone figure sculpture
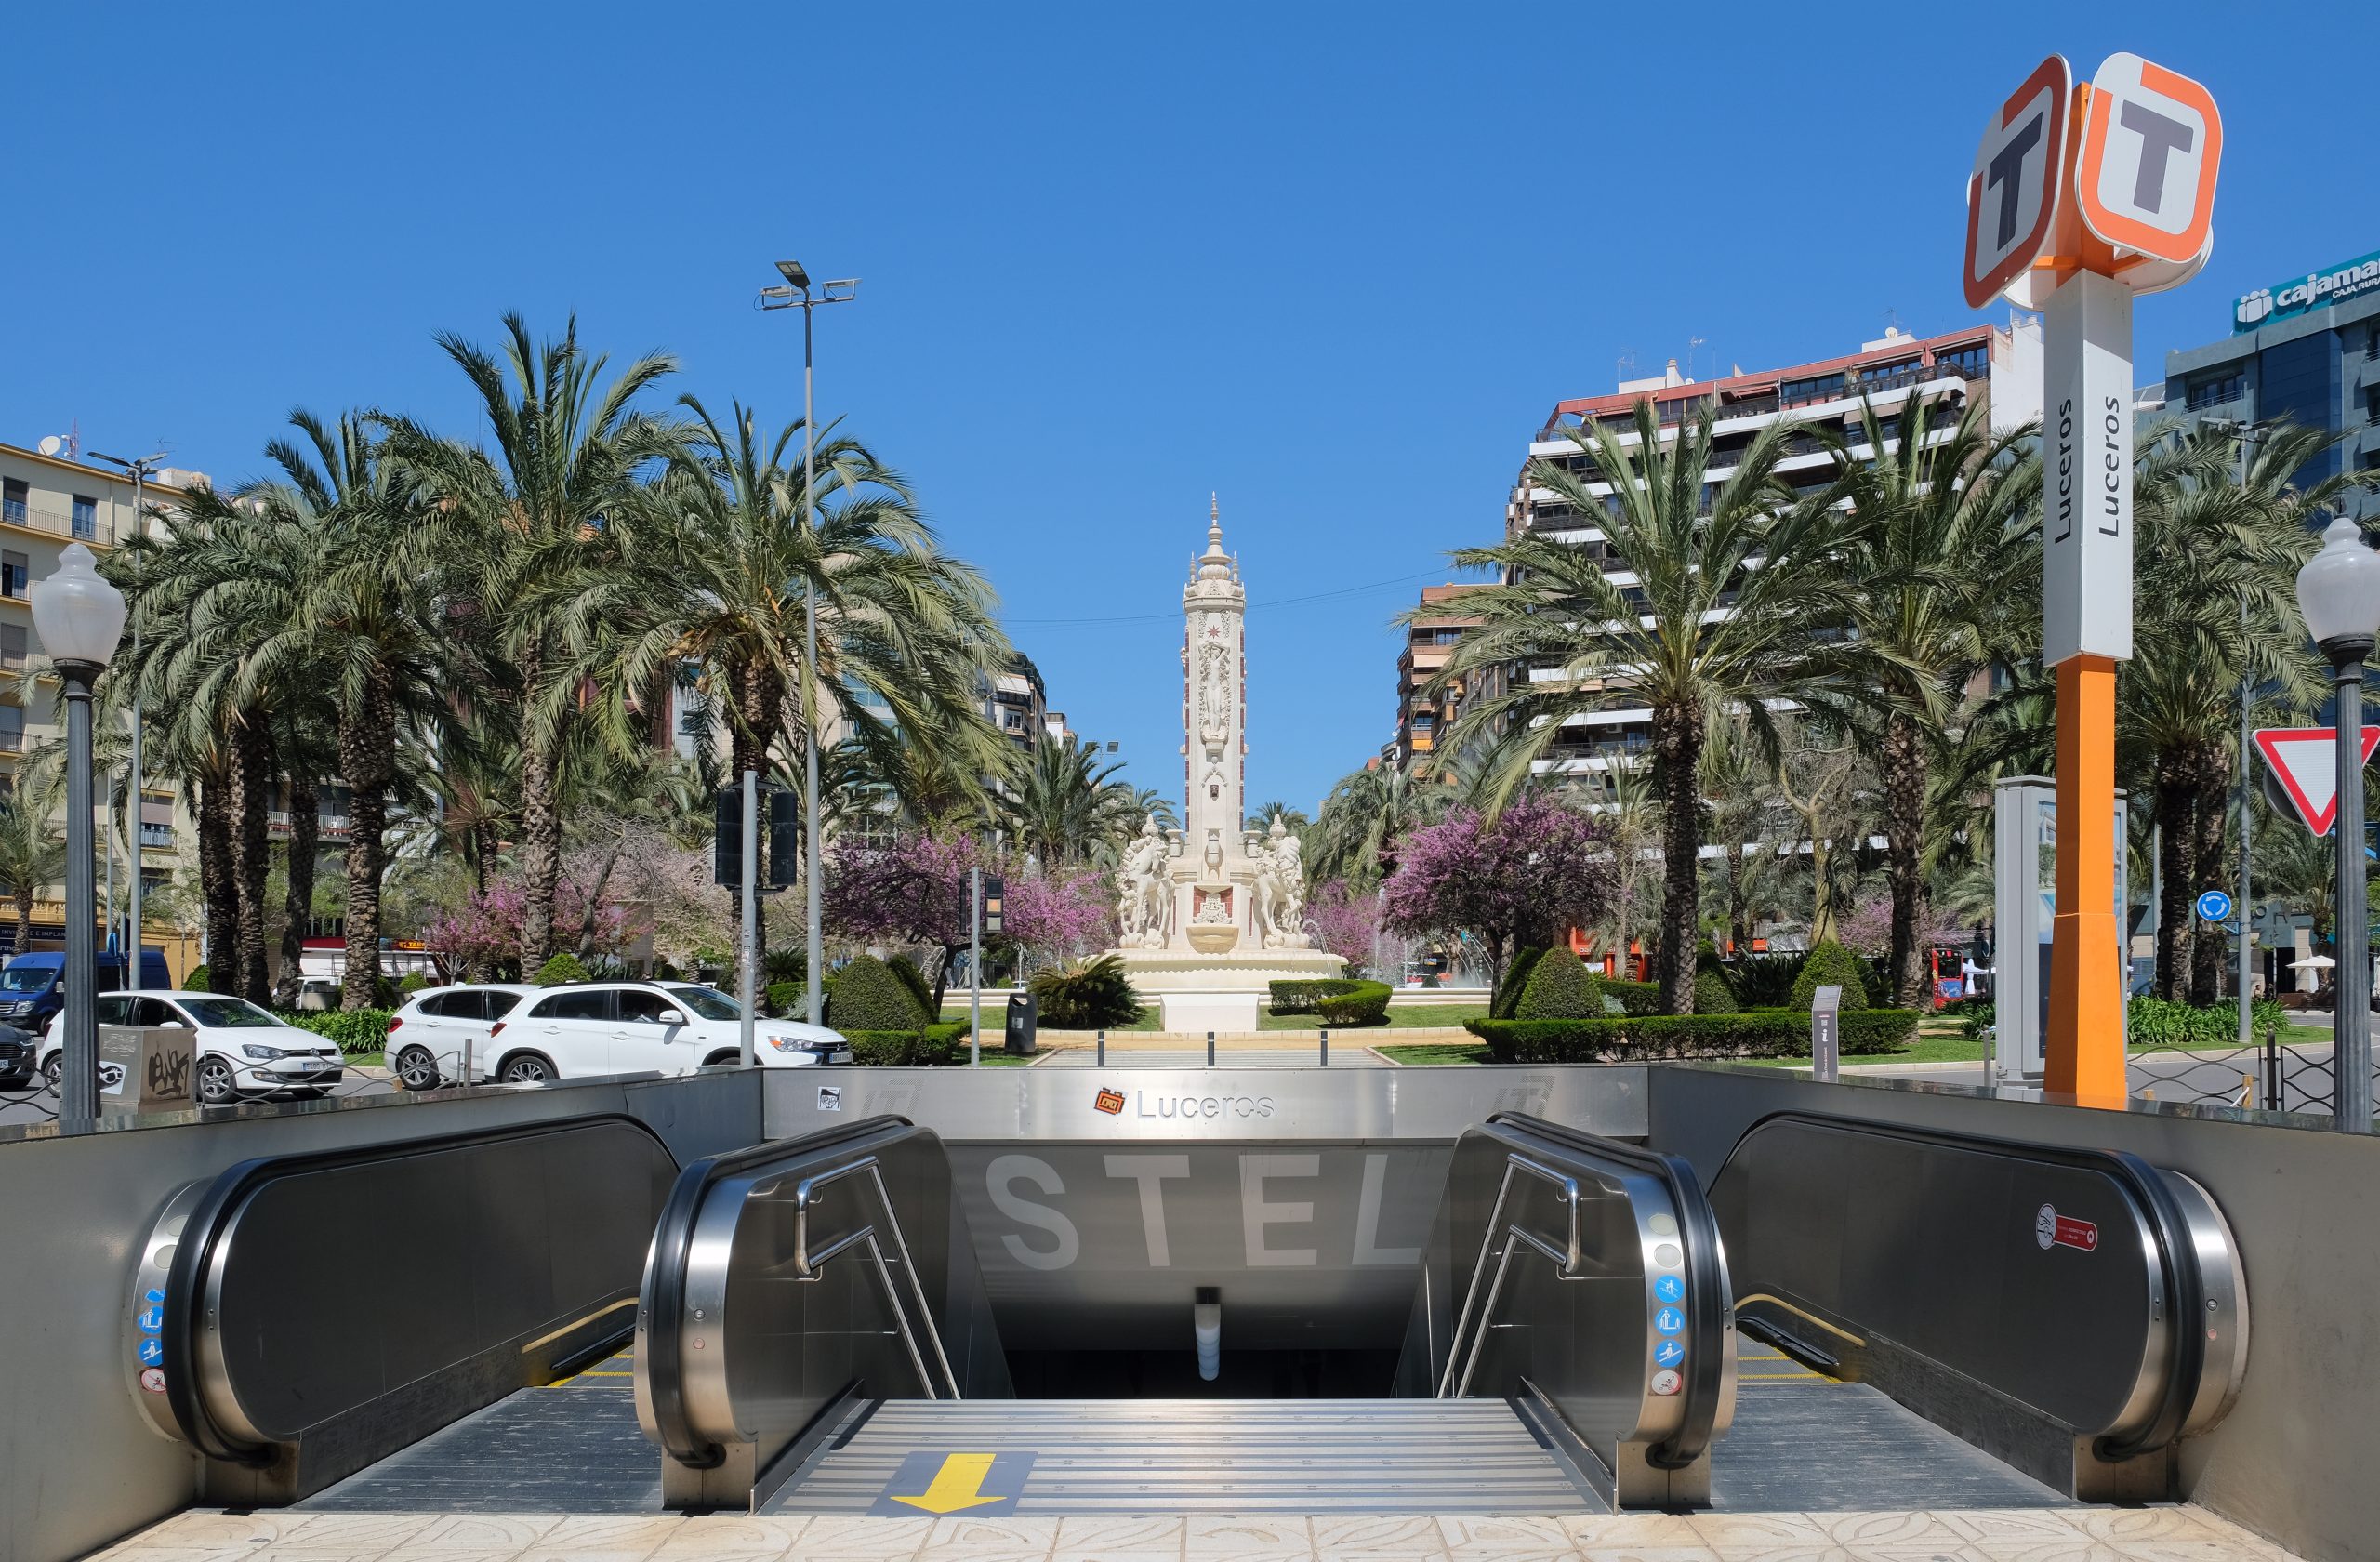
pixel 1143 895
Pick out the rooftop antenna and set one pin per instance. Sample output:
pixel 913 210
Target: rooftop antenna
pixel 1691 343
pixel 50 444
pixel 1892 321
pixel 1627 365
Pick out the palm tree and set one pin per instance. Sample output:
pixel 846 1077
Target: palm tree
pixel 1743 812
pixel 1292 819
pixel 1366 814
pixel 31 854
pixel 1943 541
pixel 1062 803
pixel 1735 592
pixel 565 453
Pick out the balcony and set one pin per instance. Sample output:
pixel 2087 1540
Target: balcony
pixel 1673 412
pixel 156 836
pixel 13 512
pixel 328 827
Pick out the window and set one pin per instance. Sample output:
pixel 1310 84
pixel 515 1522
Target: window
pixel 639 1007
pixel 590 1005
pixel 12 645
pixel 87 518
pixel 12 729
pixel 228 1013
pixel 1446 637
pixel 708 1004
pixel 499 1004
pixel 2217 391
pixel 115 1011
pixel 13 497
pixel 1424 720
pixel 15 571
pixel 154 1012
pixel 1969 361
pixel 1817 389
pixel 452 1006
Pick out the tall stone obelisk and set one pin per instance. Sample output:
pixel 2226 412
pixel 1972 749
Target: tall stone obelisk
pixel 1212 912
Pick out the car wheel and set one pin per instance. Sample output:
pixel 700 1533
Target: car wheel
pixel 417 1070
pixel 216 1084
pixel 723 1059
pixel 527 1068
pixel 53 1071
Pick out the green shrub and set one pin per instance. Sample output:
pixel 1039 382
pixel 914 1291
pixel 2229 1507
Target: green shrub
pixel 785 999
pixel 1714 988
pixel 1368 1005
pixel 1515 981
pixel 864 995
pixel 1764 981
pixel 933 1046
pixel 1976 1015
pixel 414 981
pixel 196 980
pixel 913 979
pixel 1831 962
pixel 784 965
pixel 1096 996
pixel 357 1031
pixel 562 968
pixel 1304 995
pixel 1635 998
pixel 1559 986
pixel 2151 1021
pixel 1753 1033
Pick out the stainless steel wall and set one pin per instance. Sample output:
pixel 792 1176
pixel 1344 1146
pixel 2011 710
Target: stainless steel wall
pixel 2293 1459
pixel 79 1464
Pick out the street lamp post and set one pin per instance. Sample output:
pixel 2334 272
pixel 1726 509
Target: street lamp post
pixel 795 293
pixel 80 618
pixel 2338 592
pixel 139 468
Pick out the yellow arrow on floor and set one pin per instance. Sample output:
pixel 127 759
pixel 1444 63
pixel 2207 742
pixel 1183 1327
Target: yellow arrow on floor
pixel 958 1486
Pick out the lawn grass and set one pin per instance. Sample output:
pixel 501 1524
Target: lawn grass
pixel 1433 1016
pixel 1434 1051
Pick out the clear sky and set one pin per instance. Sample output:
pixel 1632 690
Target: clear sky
pixel 1334 262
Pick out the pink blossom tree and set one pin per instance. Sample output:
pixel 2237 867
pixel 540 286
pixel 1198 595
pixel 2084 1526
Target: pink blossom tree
pixel 1539 869
pixel 1345 923
pixel 1062 916
pixel 912 891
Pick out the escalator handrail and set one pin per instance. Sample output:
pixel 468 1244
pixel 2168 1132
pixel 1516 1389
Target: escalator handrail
pixel 1706 1277
pixel 2185 1282
pixel 202 1237
pixel 661 1357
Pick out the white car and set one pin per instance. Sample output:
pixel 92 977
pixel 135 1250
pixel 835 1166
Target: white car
pixel 239 1049
pixel 592 1028
pixel 439 1028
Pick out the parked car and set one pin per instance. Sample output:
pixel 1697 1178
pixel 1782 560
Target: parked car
pixel 239 1049
pixel 18 1049
pixel 438 1028
pixel 33 987
pixel 591 1028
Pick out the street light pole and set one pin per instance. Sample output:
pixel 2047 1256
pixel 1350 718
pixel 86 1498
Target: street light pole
pixel 2338 592
pixel 139 467
pixel 795 293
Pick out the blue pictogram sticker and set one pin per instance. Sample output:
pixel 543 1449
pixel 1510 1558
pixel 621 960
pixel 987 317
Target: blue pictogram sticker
pixel 1669 1320
pixel 151 1319
pixel 152 1353
pixel 153 1297
pixel 1669 1353
pixel 1669 1288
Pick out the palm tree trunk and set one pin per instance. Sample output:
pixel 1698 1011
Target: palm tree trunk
pixel 1677 744
pixel 215 830
pixel 251 855
pixel 2213 807
pixel 367 741
pixel 2177 859
pixel 24 899
pixel 1903 766
pixel 760 704
pixel 304 829
pixel 540 824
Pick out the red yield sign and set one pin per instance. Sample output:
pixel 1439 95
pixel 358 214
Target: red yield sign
pixel 2306 760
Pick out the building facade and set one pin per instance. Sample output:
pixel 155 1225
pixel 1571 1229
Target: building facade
pixel 1429 641
pixel 2304 350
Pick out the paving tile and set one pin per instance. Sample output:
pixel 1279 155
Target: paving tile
pixel 140 1551
pixel 863 1539
pixel 479 1531
pixel 1505 1540
pixel 731 1537
pixel 602 1538
pixel 213 1527
pixel 360 1532
pixel 1749 1532
pixel 1595 1533
pixel 1378 1540
pixel 1994 1526
pixel 1122 1539
pixel 1256 1537
pixel 989 1539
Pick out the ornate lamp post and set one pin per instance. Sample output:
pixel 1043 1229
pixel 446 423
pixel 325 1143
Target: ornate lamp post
pixel 2338 592
pixel 80 618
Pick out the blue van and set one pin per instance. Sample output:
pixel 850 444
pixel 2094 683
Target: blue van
pixel 32 990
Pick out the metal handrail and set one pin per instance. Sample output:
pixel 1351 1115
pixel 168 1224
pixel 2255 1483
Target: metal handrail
pixel 1566 1266
pixel 807 1266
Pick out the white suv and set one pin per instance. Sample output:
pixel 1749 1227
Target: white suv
pixel 438 1028
pixel 591 1028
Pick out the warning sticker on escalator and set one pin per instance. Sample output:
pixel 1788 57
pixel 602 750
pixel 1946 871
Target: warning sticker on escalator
pixel 940 1482
pixel 2053 1230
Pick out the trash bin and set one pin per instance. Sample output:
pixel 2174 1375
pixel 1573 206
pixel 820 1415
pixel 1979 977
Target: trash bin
pixel 1022 1024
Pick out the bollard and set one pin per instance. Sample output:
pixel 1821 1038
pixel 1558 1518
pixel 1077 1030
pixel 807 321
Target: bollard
pixel 1826 1034
pixel 1210 1048
pixel 1326 1046
pixel 1102 1049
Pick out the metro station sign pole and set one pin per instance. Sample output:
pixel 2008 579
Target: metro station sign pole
pixel 2083 196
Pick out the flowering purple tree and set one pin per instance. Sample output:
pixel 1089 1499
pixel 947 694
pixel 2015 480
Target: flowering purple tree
pixel 1345 921
pixel 912 891
pixel 1064 917
pixel 1538 871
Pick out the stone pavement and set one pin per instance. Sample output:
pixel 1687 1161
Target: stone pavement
pixel 2156 1534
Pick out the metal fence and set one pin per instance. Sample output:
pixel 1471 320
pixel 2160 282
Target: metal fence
pixel 2271 1076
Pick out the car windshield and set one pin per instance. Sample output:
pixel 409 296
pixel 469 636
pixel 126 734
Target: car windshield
pixel 28 978
pixel 228 1013
pixel 706 1004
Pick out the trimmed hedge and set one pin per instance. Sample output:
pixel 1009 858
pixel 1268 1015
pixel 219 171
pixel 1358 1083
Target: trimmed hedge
pixel 1639 999
pixel 784 999
pixel 1714 991
pixel 1515 981
pixel 1755 1034
pixel 1368 1005
pixel 2151 1022
pixel 1559 986
pixel 1304 995
pixel 1831 962
pixel 357 1031
pixel 913 979
pixel 195 981
pixel 935 1046
pixel 866 995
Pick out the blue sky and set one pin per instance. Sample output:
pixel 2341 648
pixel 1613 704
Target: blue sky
pixel 1333 262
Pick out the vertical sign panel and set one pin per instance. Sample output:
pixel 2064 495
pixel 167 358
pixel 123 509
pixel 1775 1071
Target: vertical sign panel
pixel 2012 195
pixel 2087 512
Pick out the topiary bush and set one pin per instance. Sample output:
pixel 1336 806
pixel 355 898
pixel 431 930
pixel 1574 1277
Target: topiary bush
pixel 915 980
pixel 414 981
pixel 1368 1005
pixel 196 980
pixel 1831 962
pixel 866 995
pixel 1097 996
pixel 561 968
pixel 1635 998
pixel 1515 981
pixel 1758 1034
pixel 1304 995
pixel 1559 986
pixel 1714 988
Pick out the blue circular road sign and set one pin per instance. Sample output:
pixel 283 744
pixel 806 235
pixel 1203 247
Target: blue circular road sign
pixel 2214 906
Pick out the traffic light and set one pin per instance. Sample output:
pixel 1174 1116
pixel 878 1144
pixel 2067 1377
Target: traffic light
pixel 727 844
pixel 994 892
pixel 785 839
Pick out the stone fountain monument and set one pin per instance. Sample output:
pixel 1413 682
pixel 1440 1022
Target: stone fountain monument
pixel 1211 912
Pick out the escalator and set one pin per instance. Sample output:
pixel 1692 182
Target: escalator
pixel 566 1321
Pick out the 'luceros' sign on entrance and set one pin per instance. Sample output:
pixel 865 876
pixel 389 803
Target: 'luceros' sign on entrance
pixel 2012 196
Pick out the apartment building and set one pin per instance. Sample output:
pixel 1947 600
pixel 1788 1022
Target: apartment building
pixel 2003 366
pixel 1429 641
pixel 1017 702
pixel 49 501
